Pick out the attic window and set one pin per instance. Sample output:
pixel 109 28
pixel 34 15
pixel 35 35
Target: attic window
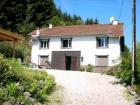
pixel 66 42
pixel 44 43
pixel 102 42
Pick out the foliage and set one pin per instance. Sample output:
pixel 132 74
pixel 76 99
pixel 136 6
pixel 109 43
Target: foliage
pixel 138 63
pixel 89 68
pixel 123 71
pixel 96 21
pixel 23 16
pixel 56 21
pixel 22 51
pixel 21 13
pixel 125 67
pixel 113 70
pixel 137 89
pixel 22 84
pixel 91 21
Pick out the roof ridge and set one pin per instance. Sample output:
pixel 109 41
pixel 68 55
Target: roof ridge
pixel 42 28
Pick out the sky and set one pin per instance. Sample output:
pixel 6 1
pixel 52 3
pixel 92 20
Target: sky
pixel 103 10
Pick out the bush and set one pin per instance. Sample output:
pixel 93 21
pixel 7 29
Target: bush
pixel 89 68
pixel 23 84
pixel 137 89
pixel 22 51
pixel 123 70
pixel 113 70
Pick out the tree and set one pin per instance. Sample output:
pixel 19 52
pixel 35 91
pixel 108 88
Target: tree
pixel 96 21
pixel 89 21
pixel 59 13
pixel 22 51
pixel 11 13
pixel 39 11
pixel 56 21
pixel 23 16
pixel 138 63
pixel 21 13
pixel 79 22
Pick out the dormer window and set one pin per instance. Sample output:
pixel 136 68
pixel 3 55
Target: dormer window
pixel 44 43
pixel 102 42
pixel 66 42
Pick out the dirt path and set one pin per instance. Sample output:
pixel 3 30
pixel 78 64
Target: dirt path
pixel 81 88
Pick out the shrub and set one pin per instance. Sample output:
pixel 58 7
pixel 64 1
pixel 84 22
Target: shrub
pixel 12 89
pixel 22 51
pixel 89 68
pixel 113 70
pixel 123 70
pixel 137 89
pixel 17 80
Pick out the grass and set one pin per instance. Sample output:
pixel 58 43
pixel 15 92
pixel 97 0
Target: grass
pixel 56 97
pixel 127 95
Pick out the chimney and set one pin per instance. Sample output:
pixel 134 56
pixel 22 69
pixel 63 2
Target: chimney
pixel 50 26
pixel 37 32
pixel 115 22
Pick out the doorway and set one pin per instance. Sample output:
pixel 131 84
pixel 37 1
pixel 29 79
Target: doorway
pixel 68 62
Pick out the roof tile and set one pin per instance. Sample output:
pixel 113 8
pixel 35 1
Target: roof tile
pixel 78 30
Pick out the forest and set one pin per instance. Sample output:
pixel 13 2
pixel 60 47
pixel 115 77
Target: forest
pixel 23 16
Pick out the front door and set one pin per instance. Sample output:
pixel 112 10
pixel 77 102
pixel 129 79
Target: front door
pixel 68 62
pixel 74 62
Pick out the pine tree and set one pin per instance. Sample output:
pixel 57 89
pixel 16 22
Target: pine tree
pixel 91 21
pixel 23 16
pixel 16 13
pixel 96 21
pixel 87 21
pixel 11 13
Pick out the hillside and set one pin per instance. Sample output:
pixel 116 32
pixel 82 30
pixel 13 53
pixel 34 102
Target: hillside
pixel 23 16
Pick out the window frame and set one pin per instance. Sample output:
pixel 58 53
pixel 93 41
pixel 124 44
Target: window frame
pixel 69 43
pixel 44 46
pixel 105 42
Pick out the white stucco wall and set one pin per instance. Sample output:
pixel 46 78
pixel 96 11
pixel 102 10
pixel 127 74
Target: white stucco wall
pixel 85 44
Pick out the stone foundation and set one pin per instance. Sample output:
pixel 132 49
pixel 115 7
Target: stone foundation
pixel 101 69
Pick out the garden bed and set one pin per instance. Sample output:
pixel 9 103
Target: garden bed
pixel 20 85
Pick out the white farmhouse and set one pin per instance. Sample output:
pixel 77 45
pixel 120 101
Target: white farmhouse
pixel 69 47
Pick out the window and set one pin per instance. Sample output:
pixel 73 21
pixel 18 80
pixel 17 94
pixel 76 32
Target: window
pixel 102 41
pixel 101 60
pixel 82 59
pixel 44 43
pixel 66 42
pixel 44 60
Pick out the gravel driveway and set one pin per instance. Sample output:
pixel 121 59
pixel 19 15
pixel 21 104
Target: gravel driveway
pixel 82 88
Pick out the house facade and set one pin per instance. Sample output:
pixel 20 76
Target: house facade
pixel 69 47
